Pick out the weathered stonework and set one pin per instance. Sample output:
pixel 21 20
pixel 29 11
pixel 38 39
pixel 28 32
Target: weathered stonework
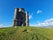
pixel 20 17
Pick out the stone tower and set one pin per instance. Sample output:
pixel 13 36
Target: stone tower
pixel 20 17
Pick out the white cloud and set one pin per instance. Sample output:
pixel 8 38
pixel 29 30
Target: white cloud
pixel 30 16
pixel 49 20
pixel 39 11
pixel 1 25
pixel 45 23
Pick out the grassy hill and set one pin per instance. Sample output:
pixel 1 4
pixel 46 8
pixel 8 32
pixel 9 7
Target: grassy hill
pixel 26 33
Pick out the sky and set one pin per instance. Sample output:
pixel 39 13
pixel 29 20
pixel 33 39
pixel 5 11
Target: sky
pixel 40 11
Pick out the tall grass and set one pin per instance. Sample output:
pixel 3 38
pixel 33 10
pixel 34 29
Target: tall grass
pixel 26 33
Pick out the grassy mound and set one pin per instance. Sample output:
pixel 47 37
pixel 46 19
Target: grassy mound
pixel 26 33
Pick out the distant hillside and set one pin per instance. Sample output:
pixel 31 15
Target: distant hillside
pixel 26 33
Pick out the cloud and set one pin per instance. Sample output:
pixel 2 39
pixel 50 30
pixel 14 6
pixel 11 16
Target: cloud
pixel 30 16
pixel 49 20
pixel 1 25
pixel 39 11
pixel 45 23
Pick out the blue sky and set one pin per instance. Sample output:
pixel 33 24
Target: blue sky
pixel 39 11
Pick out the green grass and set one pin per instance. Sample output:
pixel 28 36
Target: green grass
pixel 26 33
